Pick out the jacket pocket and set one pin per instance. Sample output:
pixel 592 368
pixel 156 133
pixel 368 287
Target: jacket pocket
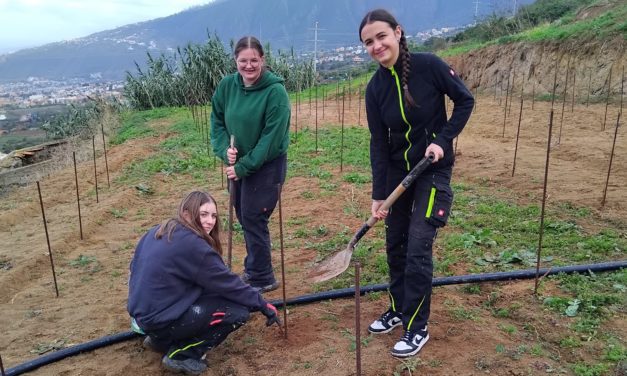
pixel 439 206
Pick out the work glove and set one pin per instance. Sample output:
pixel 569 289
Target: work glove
pixel 272 315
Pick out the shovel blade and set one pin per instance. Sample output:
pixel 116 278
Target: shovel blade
pixel 332 267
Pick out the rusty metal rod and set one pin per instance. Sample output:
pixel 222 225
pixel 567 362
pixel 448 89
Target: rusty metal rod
pixel 350 92
pixel 359 105
pixel 589 86
pixel 324 98
pixel 607 98
pixel 533 94
pixel 505 108
pixel 518 132
pixel 622 89
pixel 546 177
pixel 559 137
pixel 555 83
pixel 231 189
pixel 43 215
pixel 297 94
pixel 316 116
pixel 93 144
pixel 511 94
pixel 337 101
pixel 78 199
pixel 342 136
pixel 572 102
pixel 104 146
pixel 357 318
pixel 282 262
pixel 609 168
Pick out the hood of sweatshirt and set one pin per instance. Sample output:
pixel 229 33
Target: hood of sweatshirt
pixel 267 78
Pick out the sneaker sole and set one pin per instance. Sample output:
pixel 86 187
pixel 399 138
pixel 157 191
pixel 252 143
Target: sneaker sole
pixel 407 355
pixel 384 331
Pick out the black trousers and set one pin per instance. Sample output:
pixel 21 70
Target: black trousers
pixel 409 241
pixel 256 197
pixel 204 325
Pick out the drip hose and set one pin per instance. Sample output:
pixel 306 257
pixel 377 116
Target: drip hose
pixel 327 295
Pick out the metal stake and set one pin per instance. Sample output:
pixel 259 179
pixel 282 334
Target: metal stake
pixel 559 137
pixel 357 318
pixel 589 84
pixel 546 177
pixel 609 169
pixel 104 146
pixel 316 117
pixel 231 188
pixel 78 199
pixel 518 131
pixel 342 139
pixel 43 215
pixel 93 144
pixel 505 108
pixel 607 98
pixel 282 263
pixel 359 106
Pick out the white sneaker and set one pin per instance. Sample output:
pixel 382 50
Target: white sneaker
pixel 410 343
pixel 384 324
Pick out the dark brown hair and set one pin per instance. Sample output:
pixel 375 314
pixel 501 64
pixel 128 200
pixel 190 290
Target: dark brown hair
pixel 255 44
pixel 385 16
pixel 190 208
pixel 248 42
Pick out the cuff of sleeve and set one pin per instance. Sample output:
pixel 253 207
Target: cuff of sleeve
pixel 443 143
pixel 239 170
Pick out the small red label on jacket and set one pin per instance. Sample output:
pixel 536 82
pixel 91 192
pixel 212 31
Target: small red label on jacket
pixel 441 212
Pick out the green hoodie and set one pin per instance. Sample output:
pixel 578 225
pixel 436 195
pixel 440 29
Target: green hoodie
pixel 258 116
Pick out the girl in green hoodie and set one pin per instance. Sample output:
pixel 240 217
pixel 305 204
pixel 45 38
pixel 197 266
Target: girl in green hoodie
pixel 253 106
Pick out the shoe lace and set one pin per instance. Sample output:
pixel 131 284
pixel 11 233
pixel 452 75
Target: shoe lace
pixel 407 336
pixel 388 315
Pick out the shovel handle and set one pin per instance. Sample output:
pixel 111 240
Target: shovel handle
pixel 401 188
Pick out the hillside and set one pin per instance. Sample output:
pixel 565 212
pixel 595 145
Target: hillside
pixel 582 47
pixel 283 23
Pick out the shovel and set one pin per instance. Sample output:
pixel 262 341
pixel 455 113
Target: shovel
pixel 338 263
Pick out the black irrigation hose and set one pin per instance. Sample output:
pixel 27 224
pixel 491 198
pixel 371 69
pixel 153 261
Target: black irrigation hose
pixel 70 351
pixel 326 295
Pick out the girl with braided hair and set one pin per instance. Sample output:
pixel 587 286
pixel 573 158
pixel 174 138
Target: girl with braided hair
pixel 407 120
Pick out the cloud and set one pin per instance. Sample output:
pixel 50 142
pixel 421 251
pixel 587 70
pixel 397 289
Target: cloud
pixel 26 23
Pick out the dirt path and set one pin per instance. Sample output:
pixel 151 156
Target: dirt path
pixel 92 273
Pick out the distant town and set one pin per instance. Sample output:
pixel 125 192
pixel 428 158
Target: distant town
pixel 26 105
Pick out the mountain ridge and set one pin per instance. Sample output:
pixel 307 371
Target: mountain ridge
pixel 285 24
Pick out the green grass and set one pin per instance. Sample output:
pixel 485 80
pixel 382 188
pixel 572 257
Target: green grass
pixel 485 233
pixel 602 27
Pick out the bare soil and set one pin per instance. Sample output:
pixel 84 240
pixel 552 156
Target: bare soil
pixel 92 297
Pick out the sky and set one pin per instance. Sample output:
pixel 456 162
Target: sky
pixel 30 23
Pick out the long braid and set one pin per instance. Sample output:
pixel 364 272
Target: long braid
pixel 404 52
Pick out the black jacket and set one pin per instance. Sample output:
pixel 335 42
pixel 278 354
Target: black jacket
pixel 168 276
pixel 402 142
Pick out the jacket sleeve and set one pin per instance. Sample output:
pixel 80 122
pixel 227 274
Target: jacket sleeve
pixel 275 130
pixel 448 82
pixel 379 146
pixel 219 134
pixel 216 278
